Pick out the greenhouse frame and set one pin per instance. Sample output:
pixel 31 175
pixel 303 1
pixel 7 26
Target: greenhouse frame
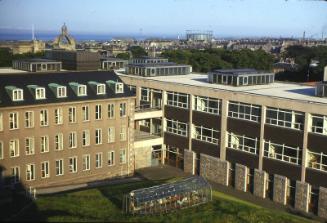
pixel 168 197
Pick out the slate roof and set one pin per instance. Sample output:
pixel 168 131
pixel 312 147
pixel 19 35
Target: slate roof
pixel 22 80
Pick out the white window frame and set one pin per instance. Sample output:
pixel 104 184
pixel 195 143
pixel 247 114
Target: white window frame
pixel 61 92
pixel 175 101
pixel 45 169
pixel 282 122
pixel 174 127
pixel 15 174
pixel 317 164
pixel 81 90
pixel 145 97
pixel 235 141
pixel 98 136
pixel 39 93
pixel 86 138
pixel 59 142
pixel 111 158
pixel 29 146
pixel 111 134
pixel 44 118
pixel 44 144
pixel 101 89
pixel 86 160
pixel 319 129
pixel 202 104
pixel 30 172
pixel 122 156
pixel 85 113
pixel 13 120
pixel 72 164
pixel 72 114
pixel 72 140
pixel 14 148
pixel 29 119
pixel 199 134
pixel 18 95
pixel 98 160
pixel 122 109
pixel 239 114
pixel 59 167
pixel 59 116
pixel 1 150
pixel 1 121
pixel 123 133
pixel 98 112
pixel 111 110
pixel 119 88
pixel 270 152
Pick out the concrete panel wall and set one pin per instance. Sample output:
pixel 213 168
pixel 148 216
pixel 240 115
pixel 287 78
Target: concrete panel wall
pixel 322 203
pixel 214 169
pixel 280 189
pixel 302 196
pixel 189 161
pixel 260 183
pixel 241 173
pixel 143 157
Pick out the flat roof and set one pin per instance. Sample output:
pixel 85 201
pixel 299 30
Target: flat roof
pixel 240 72
pixel 166 64
pixel 9 70
pixel 33 60
pixel 294 91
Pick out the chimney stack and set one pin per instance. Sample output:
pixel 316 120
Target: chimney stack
pixel 325 74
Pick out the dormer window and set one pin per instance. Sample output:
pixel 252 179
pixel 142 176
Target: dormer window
pixel 119 88
pixel 17 95
pixel 101 89
pixel 39 93
pixel 61 92
pixel 116 86
pixel 81 90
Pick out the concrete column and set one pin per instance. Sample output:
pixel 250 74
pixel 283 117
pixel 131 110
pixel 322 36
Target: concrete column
pixel 163 124
pixel 189 161
pixel 305 146
pixel 262 133
pixel 151 97
pixel 224 114
pixel 302 196
pixel 260 183
pixel 280 189
pixel 322 203
pixel 241 173
pixel 190 122
pixel 214 169
pixel 138 96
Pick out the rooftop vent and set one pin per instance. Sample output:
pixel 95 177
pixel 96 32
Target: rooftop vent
pixel 321 88
pixel 16 94
pixel 116 86
pixel 37 91
pixel 59 90
pixel 79 89
pixel 99 88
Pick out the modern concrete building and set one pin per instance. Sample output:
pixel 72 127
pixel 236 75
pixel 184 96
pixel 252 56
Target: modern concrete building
pixel 112 63
pixel 199 36
pixel 65 128
pixel 267 139
pixel 37 65
pixel 75 60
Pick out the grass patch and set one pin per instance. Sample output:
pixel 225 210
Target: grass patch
pixel 104 204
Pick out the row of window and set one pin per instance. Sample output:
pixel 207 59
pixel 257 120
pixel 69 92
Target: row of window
pixel 14 144
pixel 30 169
pixel 59 115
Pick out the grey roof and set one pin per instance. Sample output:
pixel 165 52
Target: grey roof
pixel 36 60
pixel 22 80
pixel 166 64
pixel 239 72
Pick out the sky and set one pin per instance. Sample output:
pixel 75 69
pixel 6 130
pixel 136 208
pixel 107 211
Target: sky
pixel 226 18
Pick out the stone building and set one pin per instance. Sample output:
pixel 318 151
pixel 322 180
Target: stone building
pixel 19 47
pixel 64 40
pixel 65 128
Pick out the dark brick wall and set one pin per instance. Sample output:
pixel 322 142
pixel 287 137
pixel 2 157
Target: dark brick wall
pixel 316 178
pixel 244 158
pixel 243 127
pixel 179 114
pixel 176 140
pixel 317 143
pixel 291 171
pixel 282 135
pixel 207 120
pixel 205 148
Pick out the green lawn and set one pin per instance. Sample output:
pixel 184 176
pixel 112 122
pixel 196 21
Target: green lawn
pixel 104 204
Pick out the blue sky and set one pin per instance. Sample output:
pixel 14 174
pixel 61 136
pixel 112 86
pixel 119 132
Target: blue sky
pixel 169 17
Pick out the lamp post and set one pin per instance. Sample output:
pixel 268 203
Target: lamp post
pixel 313 63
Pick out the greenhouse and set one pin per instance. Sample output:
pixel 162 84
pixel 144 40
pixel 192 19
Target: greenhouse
pixel 168 197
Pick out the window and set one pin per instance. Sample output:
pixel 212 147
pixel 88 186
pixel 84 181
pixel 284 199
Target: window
pixel 81 90
pixel 86 138
pixel 317 161
pixel 111 134
pixel 285 118
pixel 30 172
pixel 44 144
pixel 111 110
pixel 29 146
pixel 122 133
pixel 122 156
pixel 282 152
pixel 244 111
pixel 58 116
pixel 119 88
pixel 145 94
pixel 86 162
pixel 72 114
pixel 39 93
pixel 111 158
pixel 73 164
pixel 98 112
pixel 122 109
pixel 177 127
pixel 61 92
pixel 1 150
pixel 59 167
pixel 85 113
pixel 98 136
pixel 59 142
pixel 45 172
pixel 319 124
pixel 29 119
pixel 101 89
pixel 72 140
pixel 44 117
pixel 208 105
pixel 1 121
pixel 243 143
pixel 14 148
pixel 206 134
pixel 13 120
pixel 98 160
pixel 15 174
pixel 177 99
pixel 17 95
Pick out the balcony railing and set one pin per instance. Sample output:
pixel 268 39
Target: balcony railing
pixel 141 135
pixel 147 107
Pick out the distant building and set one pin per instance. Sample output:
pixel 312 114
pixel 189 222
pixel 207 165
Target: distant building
pixel 19 47
pixel 199 36
pixel 75 60
pixel 112 63
pixel 37 65
pixel 64 40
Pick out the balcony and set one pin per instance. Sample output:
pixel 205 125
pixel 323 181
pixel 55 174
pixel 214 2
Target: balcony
pixel 147 111
pixel 146 139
